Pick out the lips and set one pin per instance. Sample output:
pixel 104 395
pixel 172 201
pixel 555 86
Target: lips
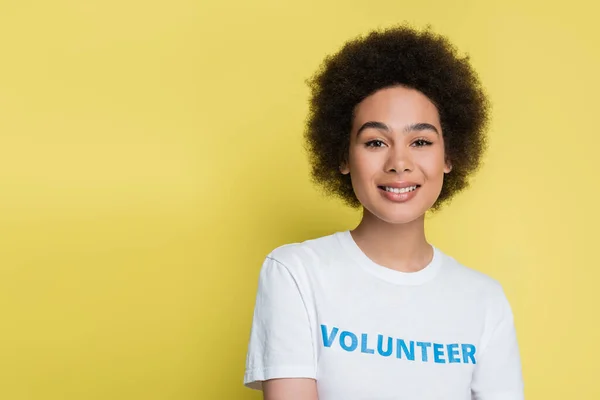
pixel 399 191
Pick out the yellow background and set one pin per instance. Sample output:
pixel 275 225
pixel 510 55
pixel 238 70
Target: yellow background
pixel 150 157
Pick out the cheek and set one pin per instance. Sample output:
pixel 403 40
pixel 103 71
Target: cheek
pixel 363 170
pixel 433 166
pixel 364 164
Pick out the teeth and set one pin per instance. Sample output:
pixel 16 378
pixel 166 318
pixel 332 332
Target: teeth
pixel 400 190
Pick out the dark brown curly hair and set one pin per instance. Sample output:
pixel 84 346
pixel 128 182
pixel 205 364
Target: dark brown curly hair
pixel 401 55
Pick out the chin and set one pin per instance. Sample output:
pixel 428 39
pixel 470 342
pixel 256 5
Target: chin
pixel 400 219
pixel 397 215
pixel 398 212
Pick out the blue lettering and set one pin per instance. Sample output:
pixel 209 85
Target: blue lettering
pixel 453 353
pixel 441 353
pixel 468 351
pixel 328 339
pixel 401 345
pixel 363 345
pixel 387 352
pixel 424 346
pixel 438 353
pixel 353 338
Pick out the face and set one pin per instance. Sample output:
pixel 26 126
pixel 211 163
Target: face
pixel 396 156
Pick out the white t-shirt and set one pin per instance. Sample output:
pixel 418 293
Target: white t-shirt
pixel 324 310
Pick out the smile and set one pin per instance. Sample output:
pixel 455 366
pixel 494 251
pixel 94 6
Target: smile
pixel 399 190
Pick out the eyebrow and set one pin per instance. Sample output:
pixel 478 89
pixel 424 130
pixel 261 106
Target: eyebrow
pixel 421 126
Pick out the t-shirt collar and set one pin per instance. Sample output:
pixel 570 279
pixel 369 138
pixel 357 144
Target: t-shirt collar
pixel 390 275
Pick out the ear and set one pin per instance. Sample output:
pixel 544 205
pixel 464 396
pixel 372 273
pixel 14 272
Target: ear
pixel 344 169
pixel 447 166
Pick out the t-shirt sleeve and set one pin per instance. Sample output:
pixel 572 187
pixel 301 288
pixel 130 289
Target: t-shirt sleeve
pixel 281 344
pixel 497 375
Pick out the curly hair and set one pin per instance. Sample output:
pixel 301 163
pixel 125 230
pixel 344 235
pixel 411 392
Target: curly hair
pixel 421 60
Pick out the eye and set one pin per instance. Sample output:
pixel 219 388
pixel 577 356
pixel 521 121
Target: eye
pixel 375 143
pixel 421 143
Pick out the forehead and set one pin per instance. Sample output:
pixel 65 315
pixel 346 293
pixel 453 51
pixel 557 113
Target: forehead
pixel 396 106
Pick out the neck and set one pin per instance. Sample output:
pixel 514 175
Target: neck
pixel 402 247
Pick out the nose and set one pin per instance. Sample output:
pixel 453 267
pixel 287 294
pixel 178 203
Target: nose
pixel 399 160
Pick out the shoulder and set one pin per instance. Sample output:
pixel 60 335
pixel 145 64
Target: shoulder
pixel 296 265
pixel 472 281
pixel 297 256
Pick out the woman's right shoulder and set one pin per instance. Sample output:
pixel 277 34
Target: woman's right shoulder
pixel 299 255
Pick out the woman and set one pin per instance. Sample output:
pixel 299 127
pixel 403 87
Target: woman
pixel 397 125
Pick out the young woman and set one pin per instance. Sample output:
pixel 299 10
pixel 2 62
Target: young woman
pixel 397 125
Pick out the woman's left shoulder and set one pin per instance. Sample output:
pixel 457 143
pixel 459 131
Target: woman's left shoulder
pixel 469 278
